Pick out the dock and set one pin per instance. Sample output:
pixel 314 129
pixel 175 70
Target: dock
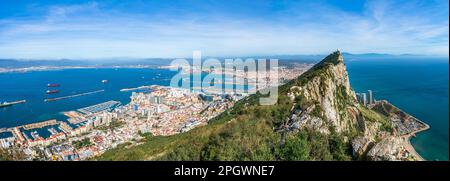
pixel 71 96
pixel 40 124
pixel 7 104
pixel 99 107
pixel 136 88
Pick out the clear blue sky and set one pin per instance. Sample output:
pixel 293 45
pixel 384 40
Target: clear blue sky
pixel 171 28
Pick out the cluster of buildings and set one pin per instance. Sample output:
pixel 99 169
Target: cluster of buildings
pixel 163 111
pixel 365 99
pixel 246 79
pixel 6 139
pixel 92 130
pixel 404 154
pixel 168 111
pixel 406 125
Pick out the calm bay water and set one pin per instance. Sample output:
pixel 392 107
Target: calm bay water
pixel 33 85
pixel 419 87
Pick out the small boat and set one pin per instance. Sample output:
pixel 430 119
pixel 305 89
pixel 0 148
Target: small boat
pixel 104 81
pixel 52 91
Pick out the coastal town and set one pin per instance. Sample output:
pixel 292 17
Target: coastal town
pixel 156 110
pixel 92 130
pixel 405 126
pixel 153 110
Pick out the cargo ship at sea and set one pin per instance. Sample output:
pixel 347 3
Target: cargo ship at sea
pixel 52 91
pixel 7 104
pixel 52 85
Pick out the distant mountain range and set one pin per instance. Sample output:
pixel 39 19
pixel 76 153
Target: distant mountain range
pixel 23 63
pixel 13 63
pixel 350 56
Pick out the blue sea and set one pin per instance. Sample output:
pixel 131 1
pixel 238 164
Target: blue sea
pixel 419 87
pixel 32 86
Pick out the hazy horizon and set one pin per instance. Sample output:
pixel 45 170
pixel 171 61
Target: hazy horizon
pixel 80 29
pixel 359 55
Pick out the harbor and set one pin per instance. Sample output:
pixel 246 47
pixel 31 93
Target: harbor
pixel 59 138
pixel 112 92
pixel 151 108
pixel 108 106
pixel 40 124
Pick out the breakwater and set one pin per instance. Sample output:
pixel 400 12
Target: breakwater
pixel 71 96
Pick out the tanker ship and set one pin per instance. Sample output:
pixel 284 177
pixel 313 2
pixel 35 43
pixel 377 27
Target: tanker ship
pixel 52 85
pixel 52 91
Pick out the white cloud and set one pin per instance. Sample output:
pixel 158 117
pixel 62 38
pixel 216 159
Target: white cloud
pixel 88 31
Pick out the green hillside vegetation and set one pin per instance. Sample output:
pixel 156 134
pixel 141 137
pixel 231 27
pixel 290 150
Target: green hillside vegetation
pixel 373 116
pixel 247 132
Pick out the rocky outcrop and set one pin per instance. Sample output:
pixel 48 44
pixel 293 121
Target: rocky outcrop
pixel 316 118
pixel 359 146
pixel 324 102
pixel 386 150
pixel 325 92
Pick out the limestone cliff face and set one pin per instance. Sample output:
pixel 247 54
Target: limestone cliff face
pixel 386 150
pixel 324 92
pixel 319 100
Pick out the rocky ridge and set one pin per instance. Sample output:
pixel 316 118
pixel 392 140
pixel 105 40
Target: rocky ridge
pixel 324 102
pixel 316 117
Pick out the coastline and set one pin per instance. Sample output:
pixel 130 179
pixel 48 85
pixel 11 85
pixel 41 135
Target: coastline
pixel 393 112
pixel 57 68
pixel 409 146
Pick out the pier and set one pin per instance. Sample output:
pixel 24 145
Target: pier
pixel 6 104
pixel 71 96
pixel 99 107
pixel 65 127
pixel 40 124
pixel 136 88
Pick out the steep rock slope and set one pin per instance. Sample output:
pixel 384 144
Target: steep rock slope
pixel 316 117
pixel 325 94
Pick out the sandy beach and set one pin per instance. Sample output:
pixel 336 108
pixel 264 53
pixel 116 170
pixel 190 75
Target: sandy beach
pixel 407 142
